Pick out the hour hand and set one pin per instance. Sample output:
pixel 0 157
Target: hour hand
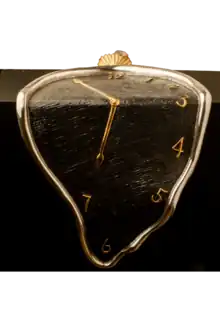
pixel 114 103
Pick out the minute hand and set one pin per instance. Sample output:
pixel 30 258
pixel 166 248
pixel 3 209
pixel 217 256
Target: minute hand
pixel 114 103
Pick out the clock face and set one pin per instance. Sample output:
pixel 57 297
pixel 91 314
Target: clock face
pixel 117 142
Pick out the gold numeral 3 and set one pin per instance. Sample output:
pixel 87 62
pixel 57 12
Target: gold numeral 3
pixel 182 103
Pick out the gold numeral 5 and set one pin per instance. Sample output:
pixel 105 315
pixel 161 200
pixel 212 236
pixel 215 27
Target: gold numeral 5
pixel 157 198
pixel 179 147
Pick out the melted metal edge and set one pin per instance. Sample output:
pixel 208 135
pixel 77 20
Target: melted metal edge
pixel 204 107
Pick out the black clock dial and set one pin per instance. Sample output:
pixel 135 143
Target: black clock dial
pixel 118 146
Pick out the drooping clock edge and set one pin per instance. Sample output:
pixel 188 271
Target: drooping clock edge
pixel 204 107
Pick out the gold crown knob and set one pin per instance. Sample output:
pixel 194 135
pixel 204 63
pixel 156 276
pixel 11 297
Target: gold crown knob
pixel 117 58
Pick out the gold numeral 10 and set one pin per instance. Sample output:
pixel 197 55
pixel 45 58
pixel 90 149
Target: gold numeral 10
pixel 158 197
pixel 179 147
pixel 88 198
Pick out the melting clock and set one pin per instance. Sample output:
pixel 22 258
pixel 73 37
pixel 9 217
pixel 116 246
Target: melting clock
pixel 119 142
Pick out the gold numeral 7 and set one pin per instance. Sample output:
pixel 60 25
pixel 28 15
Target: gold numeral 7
pixel 88 198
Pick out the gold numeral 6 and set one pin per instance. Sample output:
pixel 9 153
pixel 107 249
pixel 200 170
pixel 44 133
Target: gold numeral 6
pixel 106 247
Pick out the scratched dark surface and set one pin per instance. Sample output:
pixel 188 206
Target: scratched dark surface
pixel 68 122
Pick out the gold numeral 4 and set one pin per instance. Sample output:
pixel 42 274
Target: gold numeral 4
pixel 179 147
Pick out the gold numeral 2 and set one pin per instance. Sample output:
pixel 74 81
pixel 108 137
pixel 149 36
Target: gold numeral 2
pixel 106 248
pixel 88 198
pixel 179 147
pixel 157 198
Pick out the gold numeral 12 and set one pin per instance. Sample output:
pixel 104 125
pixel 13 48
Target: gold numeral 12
pixel 179 147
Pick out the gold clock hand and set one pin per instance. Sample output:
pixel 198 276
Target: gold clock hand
pixel 114 103
pixel 108 97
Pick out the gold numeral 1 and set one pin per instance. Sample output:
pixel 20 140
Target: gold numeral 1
pixel 88 198
pixel 157 198
pixel 106 248
pixel 179 147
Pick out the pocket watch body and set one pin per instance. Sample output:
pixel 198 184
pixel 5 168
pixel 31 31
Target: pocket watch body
pixel 119 142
